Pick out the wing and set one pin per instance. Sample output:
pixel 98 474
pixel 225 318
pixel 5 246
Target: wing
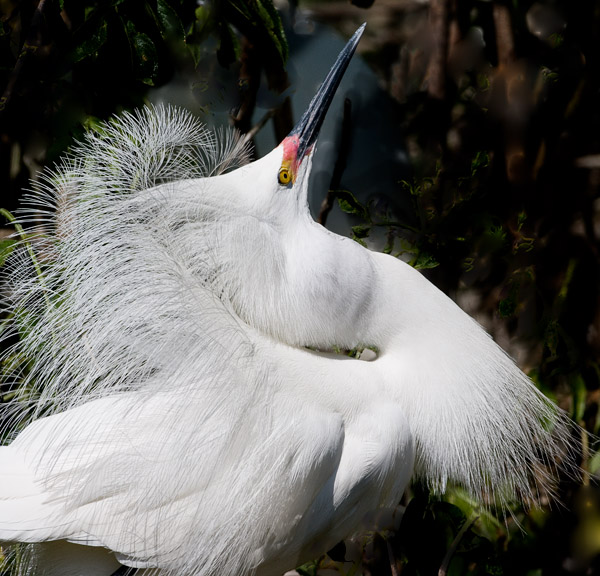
pixel 164 480
pixel 139 480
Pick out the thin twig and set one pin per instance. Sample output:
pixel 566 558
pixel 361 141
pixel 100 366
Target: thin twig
pixel 446 562
pixel 392 557
pixel 340 164
pixel 278 81
pixel 248 83
pixel 259 125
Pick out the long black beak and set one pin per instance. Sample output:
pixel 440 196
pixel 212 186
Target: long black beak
pixel 309 125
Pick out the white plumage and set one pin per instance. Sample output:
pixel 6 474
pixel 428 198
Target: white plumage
pixel 178 415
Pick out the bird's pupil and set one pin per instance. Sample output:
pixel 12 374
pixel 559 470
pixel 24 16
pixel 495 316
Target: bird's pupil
pixel 284 176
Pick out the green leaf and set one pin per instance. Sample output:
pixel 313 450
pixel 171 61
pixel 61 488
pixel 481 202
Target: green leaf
pixel 481 160
pixel 508 306
pixel 168 20
pixel 274 27
pixel 579 392
pixel 487 525
pixel 258 18
pixel 88 13
pixel 6 247
pixel 424 261
pixel 361 231
pixel 204 16
pixel 494 238
pixel 196 38
pixel 308 569
pixel 411 187
pixel 594 463
pixel 145 54
pixel 349 204
pixel 95 34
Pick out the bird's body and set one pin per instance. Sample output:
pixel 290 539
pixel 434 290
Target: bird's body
pixel 188 416
pixel 294 478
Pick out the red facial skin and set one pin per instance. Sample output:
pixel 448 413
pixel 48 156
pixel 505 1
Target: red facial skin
pixel 290 155
pixel 290 161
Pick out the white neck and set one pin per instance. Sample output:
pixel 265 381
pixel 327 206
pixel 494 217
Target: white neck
pixel 312 288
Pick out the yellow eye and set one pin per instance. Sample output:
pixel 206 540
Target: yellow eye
pixel 285 176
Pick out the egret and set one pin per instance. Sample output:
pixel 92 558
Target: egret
pixel 182 412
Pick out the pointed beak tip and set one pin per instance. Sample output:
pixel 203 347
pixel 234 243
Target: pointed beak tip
pixel 310 124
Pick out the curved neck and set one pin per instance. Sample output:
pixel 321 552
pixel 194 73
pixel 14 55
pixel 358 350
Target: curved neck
pixel 316 288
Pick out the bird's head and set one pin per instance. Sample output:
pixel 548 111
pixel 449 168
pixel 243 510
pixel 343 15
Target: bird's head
pixel 287 167
pixel 296 149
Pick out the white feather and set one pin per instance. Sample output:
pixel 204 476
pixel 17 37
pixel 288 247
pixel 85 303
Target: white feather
pixel 189 429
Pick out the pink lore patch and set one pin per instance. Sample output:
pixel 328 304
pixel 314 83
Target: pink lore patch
pixel 290 153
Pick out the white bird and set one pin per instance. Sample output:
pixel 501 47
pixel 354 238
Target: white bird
pixel 179 412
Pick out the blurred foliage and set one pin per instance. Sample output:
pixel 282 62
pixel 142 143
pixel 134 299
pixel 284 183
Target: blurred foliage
pixel 502 125
pixel 64 63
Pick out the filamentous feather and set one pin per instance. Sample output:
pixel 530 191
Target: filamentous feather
pixel 191 427
pixel 106 178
